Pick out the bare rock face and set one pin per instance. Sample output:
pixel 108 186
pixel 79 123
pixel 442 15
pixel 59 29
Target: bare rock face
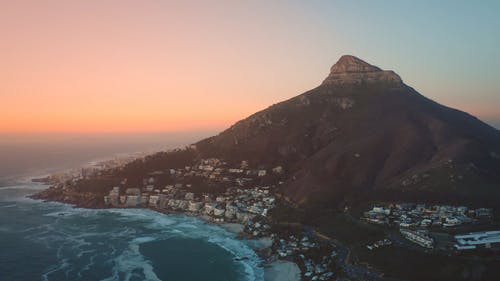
pixel 352 70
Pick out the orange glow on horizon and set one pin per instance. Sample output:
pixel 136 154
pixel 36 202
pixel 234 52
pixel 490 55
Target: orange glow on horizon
pixel 90 120
pixel 136 66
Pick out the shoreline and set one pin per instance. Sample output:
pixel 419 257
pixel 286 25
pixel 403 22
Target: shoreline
pixel 274 270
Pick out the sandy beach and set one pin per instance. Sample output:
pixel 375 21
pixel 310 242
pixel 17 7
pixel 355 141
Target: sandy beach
pixel 282 271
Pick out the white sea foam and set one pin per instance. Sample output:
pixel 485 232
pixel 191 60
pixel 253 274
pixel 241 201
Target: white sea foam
pixel 24 186
pixel 129 261
pixel 83 243
pixel 63 264
pixel 9 206
pixel 141 240
pixel 193 228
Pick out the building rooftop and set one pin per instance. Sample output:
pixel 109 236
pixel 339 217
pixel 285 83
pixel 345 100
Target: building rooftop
pixel 478 238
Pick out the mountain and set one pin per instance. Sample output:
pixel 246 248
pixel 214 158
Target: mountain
pixel 365 135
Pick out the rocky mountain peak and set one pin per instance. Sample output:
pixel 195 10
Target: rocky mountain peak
pixel 352 70
pixel 348 63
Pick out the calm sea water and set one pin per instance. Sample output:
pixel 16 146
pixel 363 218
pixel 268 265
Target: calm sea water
pixel 53 241
pixel 38 154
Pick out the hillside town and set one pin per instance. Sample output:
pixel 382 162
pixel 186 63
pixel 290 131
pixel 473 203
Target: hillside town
pixel 244 200
pixel 239 203
pixel 426 216
pixel 416 220
pixel 216 191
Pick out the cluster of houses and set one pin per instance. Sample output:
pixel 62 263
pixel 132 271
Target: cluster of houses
pixel 235 205
pixel 240 203
pixel 292 245
pixel 414 220
pixel 318 271
pixel 422 215
pixel 218 170
pixel 299 249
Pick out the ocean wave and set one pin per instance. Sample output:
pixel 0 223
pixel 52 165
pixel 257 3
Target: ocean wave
pixel 19 192
pixel 9 206
pixel 194 228
pixel 89 240
pixel 130 261
pixel 26 186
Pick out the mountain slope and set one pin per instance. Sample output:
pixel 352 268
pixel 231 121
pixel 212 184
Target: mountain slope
pixel 364 134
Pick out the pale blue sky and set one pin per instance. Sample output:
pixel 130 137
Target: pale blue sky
pixel 447 50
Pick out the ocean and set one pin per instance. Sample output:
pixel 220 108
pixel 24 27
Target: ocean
pixel 54 241
pixel 27 155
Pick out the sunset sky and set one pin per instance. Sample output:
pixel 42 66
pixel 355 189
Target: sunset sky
pixel 141 66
